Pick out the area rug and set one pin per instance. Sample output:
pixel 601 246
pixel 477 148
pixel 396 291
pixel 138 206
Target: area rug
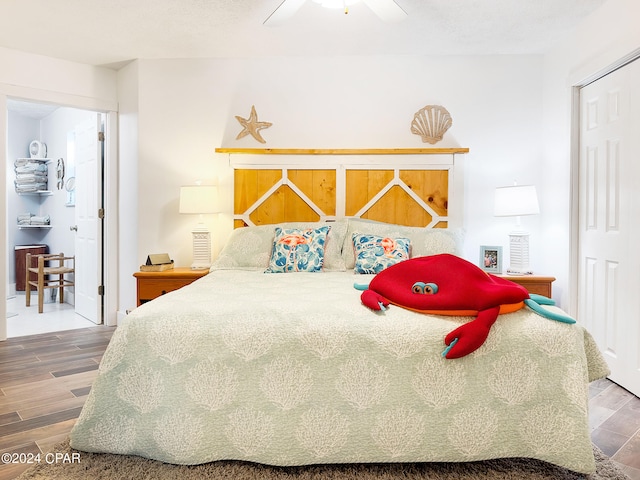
pixel 62 464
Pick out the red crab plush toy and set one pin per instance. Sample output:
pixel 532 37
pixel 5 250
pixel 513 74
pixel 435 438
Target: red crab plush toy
pixel 449 285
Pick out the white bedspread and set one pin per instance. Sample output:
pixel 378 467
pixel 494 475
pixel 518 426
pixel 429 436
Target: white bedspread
pixel 291 369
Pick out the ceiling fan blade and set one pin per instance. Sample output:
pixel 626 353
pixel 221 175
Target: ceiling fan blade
pixel 284 11
pixel 387 10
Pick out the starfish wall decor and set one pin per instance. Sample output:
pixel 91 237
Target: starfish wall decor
pixel 252 126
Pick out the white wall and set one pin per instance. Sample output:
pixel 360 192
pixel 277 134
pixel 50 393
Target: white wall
pixel 3 218
pixel 47 80
pixel 127 183
pixel 606 36
pixel 186 109
pixel 29 76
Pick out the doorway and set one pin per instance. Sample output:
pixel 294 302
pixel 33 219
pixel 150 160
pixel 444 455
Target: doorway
pixel 73 195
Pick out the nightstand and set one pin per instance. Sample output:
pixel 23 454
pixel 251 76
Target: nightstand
pixel 151 285
pixel 533 283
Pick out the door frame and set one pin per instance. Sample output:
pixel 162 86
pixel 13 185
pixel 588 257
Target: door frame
pixel 576 112
pixel 110 225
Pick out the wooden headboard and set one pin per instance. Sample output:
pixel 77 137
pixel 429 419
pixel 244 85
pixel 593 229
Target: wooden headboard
pixel 415 189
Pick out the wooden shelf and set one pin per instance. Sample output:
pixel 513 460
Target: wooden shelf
pixel 37 192
pixel 342 151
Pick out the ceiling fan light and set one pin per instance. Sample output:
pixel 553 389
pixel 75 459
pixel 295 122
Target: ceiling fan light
pixel 336 3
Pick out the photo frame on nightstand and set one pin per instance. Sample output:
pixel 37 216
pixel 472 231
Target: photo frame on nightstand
pixel 491 259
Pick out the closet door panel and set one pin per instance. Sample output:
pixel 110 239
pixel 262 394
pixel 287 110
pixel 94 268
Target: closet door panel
pixel 609 220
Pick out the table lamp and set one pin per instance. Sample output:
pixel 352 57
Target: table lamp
pixel 517 201
pixel 200 199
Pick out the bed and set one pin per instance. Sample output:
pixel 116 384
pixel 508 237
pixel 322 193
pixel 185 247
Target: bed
pixel 289 368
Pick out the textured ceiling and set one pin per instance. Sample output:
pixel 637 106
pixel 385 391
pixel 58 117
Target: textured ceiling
pixel 113 32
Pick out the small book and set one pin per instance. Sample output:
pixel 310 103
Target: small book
pixel 157 268
pixel 157 262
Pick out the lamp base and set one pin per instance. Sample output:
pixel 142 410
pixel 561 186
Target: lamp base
pixel 198 266
pixel 201 247
pixel 518 272
pixel 519 254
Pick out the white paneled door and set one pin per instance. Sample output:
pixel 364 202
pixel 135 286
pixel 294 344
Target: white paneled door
pixel 609 223
pixel 88 242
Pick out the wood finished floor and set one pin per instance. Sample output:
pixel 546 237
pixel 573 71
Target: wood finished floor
pixel 45 379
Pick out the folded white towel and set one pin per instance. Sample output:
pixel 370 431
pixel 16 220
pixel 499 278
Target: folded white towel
pixel 31 219
pixel 29 187
pixel 40 220
pixel 30 178
pixel 32 167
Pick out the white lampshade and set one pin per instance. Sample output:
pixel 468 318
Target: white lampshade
pixel 515 201
pixel 198 199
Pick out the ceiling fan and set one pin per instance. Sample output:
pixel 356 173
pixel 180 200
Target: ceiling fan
pixel 387 10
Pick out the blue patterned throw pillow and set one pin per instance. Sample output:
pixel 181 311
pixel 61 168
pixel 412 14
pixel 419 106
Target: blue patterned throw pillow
pixel 375 253
pixel 298 250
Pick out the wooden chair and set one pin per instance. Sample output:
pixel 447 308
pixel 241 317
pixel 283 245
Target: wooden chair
pixel 48 276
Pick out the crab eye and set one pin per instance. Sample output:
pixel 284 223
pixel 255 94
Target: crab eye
pixel 430 288
pixel 425 288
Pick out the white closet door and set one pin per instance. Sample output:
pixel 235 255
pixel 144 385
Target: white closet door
pixel 609 223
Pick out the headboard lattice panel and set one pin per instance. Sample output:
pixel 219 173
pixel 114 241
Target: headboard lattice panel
pixel 409 196
pixel 408 186
pixel 265 196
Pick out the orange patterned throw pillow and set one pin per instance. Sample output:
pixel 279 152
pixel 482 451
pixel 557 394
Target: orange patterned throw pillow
pixel 375 253
pixel 298 250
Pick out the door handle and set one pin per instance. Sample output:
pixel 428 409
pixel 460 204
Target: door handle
pixel 73 228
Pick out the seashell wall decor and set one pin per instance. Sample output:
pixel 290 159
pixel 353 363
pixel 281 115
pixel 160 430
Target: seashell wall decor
pixel 431 123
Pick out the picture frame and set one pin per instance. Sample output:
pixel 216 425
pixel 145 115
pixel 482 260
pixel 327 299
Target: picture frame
pixel 491 258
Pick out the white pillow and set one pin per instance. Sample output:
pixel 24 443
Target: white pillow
pixel 249 248
pixel 424 241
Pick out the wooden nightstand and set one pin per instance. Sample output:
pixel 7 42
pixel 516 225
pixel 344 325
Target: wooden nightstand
pixel 533 283
pixel 153 284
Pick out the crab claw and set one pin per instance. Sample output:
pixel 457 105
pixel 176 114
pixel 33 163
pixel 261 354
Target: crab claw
pixel 373 300
pixel 470 336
